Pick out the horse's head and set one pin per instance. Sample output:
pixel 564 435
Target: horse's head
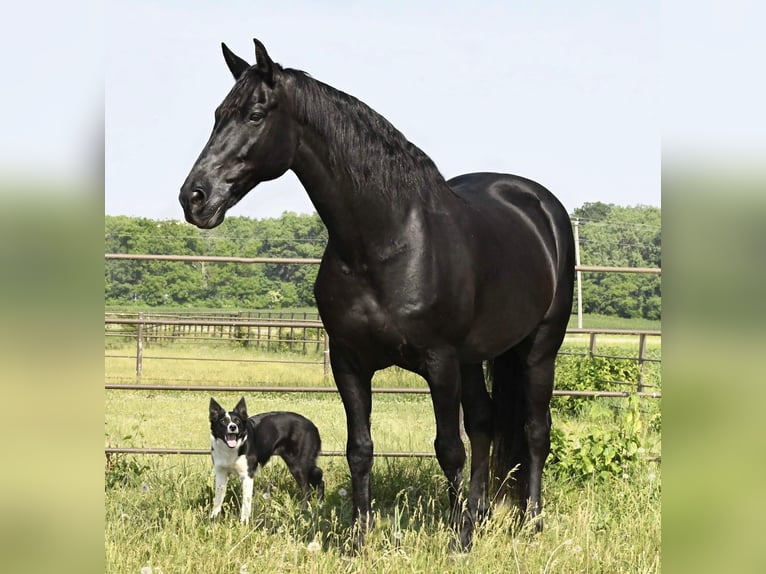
pixel 254 139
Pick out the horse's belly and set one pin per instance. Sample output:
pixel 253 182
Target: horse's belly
pixel 482 344
pixel 502 324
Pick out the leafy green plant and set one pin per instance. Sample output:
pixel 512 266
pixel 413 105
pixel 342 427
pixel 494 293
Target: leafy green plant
pixel 122 469
pixel 586 373
pixel 598 453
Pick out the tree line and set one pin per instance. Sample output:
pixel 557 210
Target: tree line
pixel 623 237
pixel 609 235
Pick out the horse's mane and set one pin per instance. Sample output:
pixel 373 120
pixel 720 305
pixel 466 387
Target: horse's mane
pixel 374 154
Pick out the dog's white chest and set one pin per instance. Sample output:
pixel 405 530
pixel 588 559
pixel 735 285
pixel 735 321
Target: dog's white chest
pixel 228 459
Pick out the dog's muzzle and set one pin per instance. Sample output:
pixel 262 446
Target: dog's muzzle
pixel 231 437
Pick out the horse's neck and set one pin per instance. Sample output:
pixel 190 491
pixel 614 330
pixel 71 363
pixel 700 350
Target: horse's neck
pixel 360 218
pixel 353 219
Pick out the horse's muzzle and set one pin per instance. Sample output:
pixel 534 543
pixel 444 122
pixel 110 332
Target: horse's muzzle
pixel 198 211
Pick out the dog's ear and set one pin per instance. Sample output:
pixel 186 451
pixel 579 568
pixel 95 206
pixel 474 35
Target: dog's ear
pixel 241 409
pixel 216 410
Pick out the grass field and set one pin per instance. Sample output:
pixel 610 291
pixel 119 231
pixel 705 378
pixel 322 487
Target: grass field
pixel 157 506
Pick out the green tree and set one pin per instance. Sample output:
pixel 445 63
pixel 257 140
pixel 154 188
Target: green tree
pixel 609 235
pixel 620 236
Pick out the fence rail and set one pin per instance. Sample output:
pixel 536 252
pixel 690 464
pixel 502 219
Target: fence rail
pixel 200 327
pixel 380 390
pixel 235 333
pixel 316 261
pixel 198 451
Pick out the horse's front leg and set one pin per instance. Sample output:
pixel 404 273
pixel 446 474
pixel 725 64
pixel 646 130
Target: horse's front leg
pixel 443 376
pixel 354 386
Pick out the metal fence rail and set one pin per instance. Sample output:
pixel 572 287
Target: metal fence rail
pixel 139 322
pixel 316 261
pixel 198 327
pixel 197 451
pixel 380 390
pixel 234 332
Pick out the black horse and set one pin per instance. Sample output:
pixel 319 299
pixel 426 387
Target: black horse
pixel 434 276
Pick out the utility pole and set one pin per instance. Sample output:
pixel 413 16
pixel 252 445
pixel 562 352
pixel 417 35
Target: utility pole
pixel 579 273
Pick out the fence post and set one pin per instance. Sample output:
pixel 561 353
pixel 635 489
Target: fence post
pixel 641 361
pixel 326 355
pixel 140 345
pixel 592 344
pixel 579 273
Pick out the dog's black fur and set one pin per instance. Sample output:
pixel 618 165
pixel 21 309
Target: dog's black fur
pixel 241 445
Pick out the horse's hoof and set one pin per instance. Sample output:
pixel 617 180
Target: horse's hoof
pixel 354 546
pixel 463 542
pixel 460 545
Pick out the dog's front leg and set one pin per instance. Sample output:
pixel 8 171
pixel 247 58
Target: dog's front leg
pixel 247 498
pixel 221 478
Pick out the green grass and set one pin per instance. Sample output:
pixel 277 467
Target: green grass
pixel 160 519
pixel 157 506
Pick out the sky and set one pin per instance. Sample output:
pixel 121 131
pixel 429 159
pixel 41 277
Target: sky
pixel 563 93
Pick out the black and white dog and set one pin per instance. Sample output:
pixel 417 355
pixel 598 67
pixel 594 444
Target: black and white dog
pixel 241 445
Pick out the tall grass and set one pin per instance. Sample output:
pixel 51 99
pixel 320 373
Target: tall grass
pixel 157 507
pixel 159 519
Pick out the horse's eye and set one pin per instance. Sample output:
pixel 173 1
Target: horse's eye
pixel 256 117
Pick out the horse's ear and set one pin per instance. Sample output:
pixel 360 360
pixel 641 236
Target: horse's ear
pixel 263 62
pixel 237 65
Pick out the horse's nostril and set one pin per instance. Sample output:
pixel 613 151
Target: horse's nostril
pixel 197 197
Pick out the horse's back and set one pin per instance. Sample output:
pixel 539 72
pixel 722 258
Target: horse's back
pixel 518 206
pixel 516 209
pixel 493 191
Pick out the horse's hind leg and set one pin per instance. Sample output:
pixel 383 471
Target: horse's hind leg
pixel 537 429
pixel 477 408
pixel 443 376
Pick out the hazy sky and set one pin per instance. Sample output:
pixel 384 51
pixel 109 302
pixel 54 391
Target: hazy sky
pixel 565 93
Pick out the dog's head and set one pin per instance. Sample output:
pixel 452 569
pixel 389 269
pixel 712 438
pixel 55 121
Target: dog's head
pixel 230 426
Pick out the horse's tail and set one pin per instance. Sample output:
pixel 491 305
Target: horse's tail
pixel 509 446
